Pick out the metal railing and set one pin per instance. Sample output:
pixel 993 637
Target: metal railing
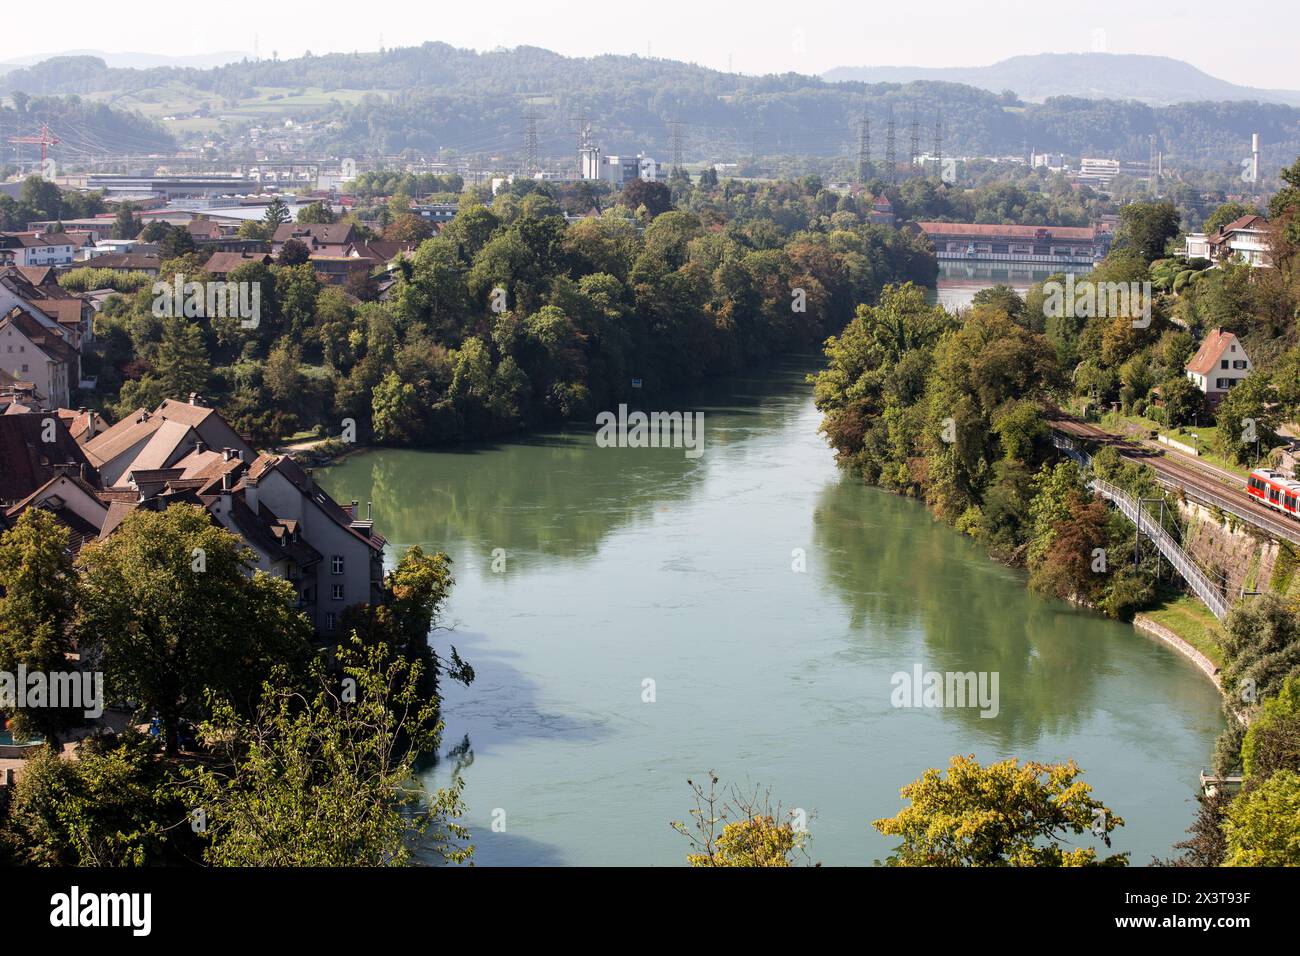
pixel 1204 588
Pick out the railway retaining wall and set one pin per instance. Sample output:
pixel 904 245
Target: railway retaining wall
pixel 1230 549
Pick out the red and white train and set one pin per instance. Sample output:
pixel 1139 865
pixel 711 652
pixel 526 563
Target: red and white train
pixel 1275 490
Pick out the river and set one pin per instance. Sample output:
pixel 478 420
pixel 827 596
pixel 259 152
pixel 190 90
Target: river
pixel 623 565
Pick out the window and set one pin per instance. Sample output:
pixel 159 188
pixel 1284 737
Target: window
pixel 1223 383
pixel 329 621
pixel 336 564
pixel 336 592
pixel 1238 363
pixel 1223 364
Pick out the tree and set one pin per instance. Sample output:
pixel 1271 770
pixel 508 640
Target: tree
pixel 1224 214
pixel 276 215
pixel 315 212
pixel 38 595
pixel 740 829
pixel 326 776
pixel 1006 814
pixel 1263 824
pixel 1272 741
pixel 1247 420
pixel 181 361
pixel 294 252
pixel 655 197
pixel 171 612
pixel 1184 403
pixel 395 411
pixel 114 805
pixel 127 224
pixel 409 228
pixel 177 242
pixel 1261 647
pixel 1145 227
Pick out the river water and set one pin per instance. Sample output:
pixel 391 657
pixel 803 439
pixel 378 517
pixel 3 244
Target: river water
pixel 628 565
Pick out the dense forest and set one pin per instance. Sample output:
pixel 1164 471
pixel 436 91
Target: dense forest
pixel 435 96
pixel 511 317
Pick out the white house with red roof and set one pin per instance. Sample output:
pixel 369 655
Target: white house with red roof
pixel 1219 364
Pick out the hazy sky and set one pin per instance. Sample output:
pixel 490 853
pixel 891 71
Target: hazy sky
pixel 1251 44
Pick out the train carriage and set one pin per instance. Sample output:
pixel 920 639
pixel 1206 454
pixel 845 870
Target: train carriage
pixel 1275 490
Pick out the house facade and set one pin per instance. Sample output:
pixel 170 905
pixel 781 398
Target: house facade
pixel 1218 365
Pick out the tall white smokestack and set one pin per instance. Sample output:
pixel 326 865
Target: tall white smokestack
pixel 1254 157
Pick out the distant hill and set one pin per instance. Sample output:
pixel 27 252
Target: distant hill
pixel 435 97
pixel 137 61
pixel 1158 80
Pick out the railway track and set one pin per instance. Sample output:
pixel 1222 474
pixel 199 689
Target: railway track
pixel 1194 482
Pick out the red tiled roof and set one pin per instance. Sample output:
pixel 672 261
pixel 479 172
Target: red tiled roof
pixel 1013 232
pixel 1207 356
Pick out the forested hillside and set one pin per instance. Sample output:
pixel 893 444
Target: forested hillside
pixel 435 96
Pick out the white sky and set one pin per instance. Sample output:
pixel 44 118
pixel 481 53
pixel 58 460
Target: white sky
pixel 1250 44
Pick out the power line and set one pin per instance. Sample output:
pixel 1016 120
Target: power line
pixel 891 155
pixel 864 146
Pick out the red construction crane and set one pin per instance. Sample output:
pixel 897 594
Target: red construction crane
pixel 45 140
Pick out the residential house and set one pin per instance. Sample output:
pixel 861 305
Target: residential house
pixel 1218 365
pixel 351 569
pixel 1245 239
pixel 36 352
pixel 33 450
pixel 37 249
pixel 221 264
pixel 146 441
pixel 325 239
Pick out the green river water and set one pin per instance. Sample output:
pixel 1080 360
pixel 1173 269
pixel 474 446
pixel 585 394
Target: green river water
pixel 624 565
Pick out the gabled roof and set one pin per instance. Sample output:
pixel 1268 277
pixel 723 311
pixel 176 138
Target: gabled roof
pixel 45 339
pixel 221 263
pixel 320 233
pixel 1249 221
pixel 134 428
pixel 1014 232
pixel 294 473
pixel 30 462
pixel 1212 348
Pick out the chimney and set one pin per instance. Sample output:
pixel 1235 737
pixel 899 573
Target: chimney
pixel 1254 156
pixel 193 396
pixel 200 447
pixel 250 495
pixel 356 509
pixel 225 482
pixel 226 454
pixel 369 504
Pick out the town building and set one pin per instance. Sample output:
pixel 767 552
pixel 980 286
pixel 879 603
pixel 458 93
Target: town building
pixel 1082 245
